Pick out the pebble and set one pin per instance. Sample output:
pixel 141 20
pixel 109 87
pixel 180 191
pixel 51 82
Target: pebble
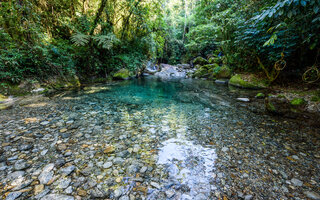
pixel 67 170
pixel 296 182
pixel 57 197
pixel 107 165
pixel 38 189
pixel 13 195
pixel 243 99
pixel 169 193
pixel 312 195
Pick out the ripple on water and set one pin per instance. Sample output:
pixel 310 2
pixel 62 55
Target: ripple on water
pixel 189 164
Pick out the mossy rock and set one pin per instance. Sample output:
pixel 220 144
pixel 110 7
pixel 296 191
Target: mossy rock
pixel 315 98
pixel 260 96
pixel 122 74
pixel 298 102
pixel 247 82
pixel 222 72
pixel 200 61
pixel 216 60
pixel 59 83
pixel 3 98
pixel 202 72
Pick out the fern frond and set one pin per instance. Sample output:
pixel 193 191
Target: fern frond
pixel 80 39
pixel 106 41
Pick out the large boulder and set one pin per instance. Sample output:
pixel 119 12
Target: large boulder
pixel 248 81
pixel 222 72
pixel 200 61
pixel 122 74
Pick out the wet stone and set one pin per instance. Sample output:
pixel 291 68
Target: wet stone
pixel 296 182
pixel 67 170
pixel 20 165
pixel 57 196
pixel 13 195
pixel 312 195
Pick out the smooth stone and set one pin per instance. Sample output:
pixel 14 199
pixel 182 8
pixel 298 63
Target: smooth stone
pixel 143 169
pixel 64 183
pixel 312 195
pixel 225 149
pixel 45 177
pixel 69 190
pixel 13 195
pixel 222 82
pixel 25 147
pixel 57 197
pixel 16 175
pixel 296 182
pixel 38 189
pixel 248 197
pixel 107 165
pixel 124 198
pixel 243 99
pixel 169 193
pixel 20 165
pixel 68 170
pixel 155 185
pixel 117 193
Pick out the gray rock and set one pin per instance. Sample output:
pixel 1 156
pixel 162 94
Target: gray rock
pixel 224 149
pixel 169 193
pixel 15 175
pixel 45 177
pixel 96 193
pixel 20 165
pixel 57 197
pixel 201 197
pixel 132 169
pixel 312 195
pixel 68 170
pixel 124 198
pixel 64 183
pixel 13 195
pixel 118 192
pixel 118 161
pixel 107 165
pixel 25 147
pixel 69 190
pixel 296 182
pixel 248 197
pixel 143 169
pixel 222 82
pixel 243 99
pixel 155 185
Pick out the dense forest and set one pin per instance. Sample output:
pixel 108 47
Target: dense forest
pixel 95 38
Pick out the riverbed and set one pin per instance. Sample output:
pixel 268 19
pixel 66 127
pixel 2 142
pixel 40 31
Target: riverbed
pixel 155 139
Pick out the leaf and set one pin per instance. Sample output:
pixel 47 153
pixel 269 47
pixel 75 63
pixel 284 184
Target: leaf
pixel 316 9
pixel 80 39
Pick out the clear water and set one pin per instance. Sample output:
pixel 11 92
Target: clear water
pixel 193 139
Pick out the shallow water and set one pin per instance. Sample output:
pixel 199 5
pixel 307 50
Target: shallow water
pixel 178 139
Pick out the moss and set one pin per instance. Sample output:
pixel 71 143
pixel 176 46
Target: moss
pixel 298 102
pixel 281 96
pixel 222 72
pixel 200 61
pixel 238 81
pixel 202 72
pixel 315 99
pixel 270 107
pixel 260 96
pixel 122 74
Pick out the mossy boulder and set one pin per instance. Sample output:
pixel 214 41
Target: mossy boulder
pixel 248 82
pixel 277 105
pixel 122 74
pixel 200 61
pixel 213 60
pixel 222 72
pixel 298 102
pixel 59 83
pixel 202 72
